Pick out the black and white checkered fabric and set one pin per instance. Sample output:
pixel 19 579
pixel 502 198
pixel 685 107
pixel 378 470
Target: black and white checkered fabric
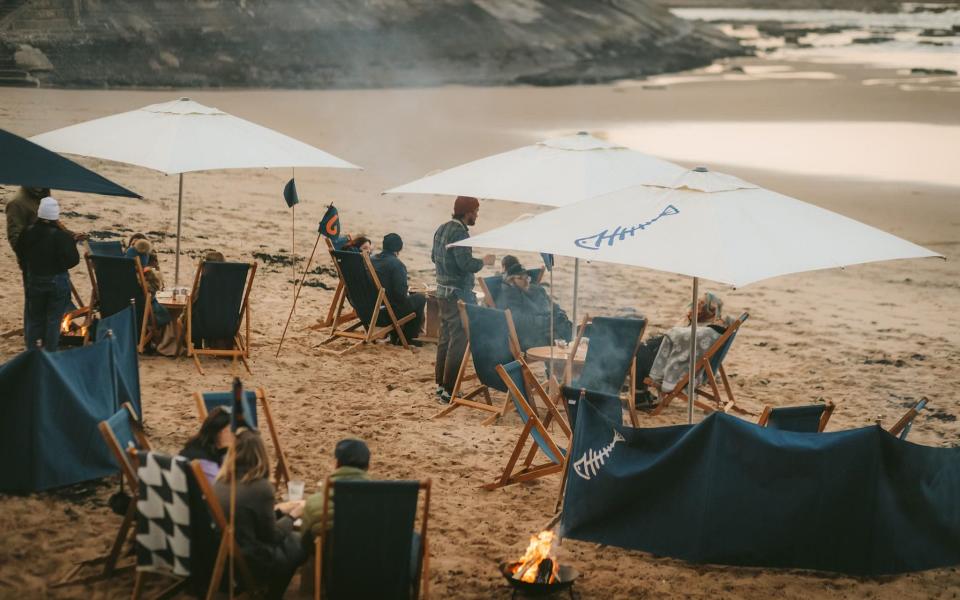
pixel 163 515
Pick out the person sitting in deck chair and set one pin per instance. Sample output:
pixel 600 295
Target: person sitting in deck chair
pixel 269 544
pixel 361 243
pixel 210 444
pixel 393 276
pixel 665 358
pixel 352 463
pixel 529 306
pixel 506 262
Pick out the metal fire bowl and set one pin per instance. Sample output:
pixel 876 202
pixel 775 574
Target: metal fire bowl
pixel 566 575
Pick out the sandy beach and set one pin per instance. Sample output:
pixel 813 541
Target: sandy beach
pixel 873 339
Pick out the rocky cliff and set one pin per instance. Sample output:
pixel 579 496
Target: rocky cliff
pixel 349 43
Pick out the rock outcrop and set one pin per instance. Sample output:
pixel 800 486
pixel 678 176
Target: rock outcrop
pixel 354 43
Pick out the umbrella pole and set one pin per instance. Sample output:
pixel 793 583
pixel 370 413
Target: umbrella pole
pixel 692 384
pixel 552 342
pixel 576 287
pixel 176 271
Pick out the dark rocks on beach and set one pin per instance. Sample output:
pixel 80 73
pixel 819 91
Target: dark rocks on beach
pixel 321 44
pixel 922 71
pixel 937 33
pixel 874 39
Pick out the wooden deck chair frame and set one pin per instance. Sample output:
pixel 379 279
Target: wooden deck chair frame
pixel 630 381
pixel 488 300
pixel 824 418
pixel 371 331
pixel 422 585
pixel 458 399
pixel 128 472
pixel 904 423
pixel 716 401
pixel 226 549
pixel 148 316
pixel 241 350
pixel 141 576
pixel 529 471
pixel 339 295
pixel 281 472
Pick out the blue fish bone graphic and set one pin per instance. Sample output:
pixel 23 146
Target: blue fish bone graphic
pixel 620 233
pixel 589 464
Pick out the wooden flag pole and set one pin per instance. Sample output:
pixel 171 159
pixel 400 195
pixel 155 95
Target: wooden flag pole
pixel 296 295
pixel 293 236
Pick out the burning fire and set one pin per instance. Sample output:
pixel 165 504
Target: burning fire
pixel 538 564
pixel 68 327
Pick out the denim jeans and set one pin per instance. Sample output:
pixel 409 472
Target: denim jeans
pixel 47 300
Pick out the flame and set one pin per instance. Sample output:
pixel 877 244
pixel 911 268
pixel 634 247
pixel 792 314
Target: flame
pixel 540 549
pixel 65 323
pixel 68 327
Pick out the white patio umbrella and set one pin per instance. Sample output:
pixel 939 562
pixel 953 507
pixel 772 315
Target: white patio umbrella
pixel 183 136
pixel 554 172
pixel 709 225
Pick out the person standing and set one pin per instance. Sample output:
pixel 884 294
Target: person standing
pixel 455 267
pixel 22 212
pixel 46 252
pixel 393 276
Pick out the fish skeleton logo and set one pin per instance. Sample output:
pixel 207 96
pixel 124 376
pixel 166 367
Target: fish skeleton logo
pixel 589 464
pixel 593 242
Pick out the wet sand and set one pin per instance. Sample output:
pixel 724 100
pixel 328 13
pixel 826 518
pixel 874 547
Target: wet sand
pixel 872 338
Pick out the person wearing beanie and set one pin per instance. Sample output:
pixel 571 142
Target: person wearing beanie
pixel 46 252
pixel 455 268
pixel 393 276
pixel 351 462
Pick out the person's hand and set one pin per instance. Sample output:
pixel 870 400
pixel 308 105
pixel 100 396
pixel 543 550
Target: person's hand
pixel 489 260
pixel 80 237
pixel 294 508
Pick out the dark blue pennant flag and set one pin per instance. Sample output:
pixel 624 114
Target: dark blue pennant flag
pixel 290 193
pixel 547 260
pixel 330 223
pixel 241 408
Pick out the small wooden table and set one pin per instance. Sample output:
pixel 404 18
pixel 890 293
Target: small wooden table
pixel 175 306
pixel 542 354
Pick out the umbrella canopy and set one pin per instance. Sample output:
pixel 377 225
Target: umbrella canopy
pixel 23 162
pixel 554 172
pixel 710 225
pixel 183 136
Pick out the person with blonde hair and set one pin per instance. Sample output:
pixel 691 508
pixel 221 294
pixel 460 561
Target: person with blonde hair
pixel 270 546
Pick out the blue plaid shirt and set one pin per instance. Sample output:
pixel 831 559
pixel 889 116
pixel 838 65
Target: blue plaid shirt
pixel 455 266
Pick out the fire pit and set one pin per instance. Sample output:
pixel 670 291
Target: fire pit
pixel 538 573
pixel 71 332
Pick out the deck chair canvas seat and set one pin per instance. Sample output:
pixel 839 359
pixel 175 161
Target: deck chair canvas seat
pixel 116 281
pixel 713 358
pixel 362 288
pixel 372 549
pixel 609 364
pixel 804 419
pixel 207 401
pixel 491 341
pixel 338 296
pixel 120 432
pixel 218 311
pixel 517 377
pixel 105 247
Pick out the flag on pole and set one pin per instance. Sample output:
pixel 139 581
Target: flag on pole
pixel 547 260
pixel 290 193
pixel 243 414
pixel 330 223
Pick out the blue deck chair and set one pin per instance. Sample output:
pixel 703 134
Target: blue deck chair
pixel 376 318
pixel 491 286
pixel 803 419
pixel 491 341
pixel 713 357
pixel 207 401
pixel 120 432
pixel 902 427
pixel 105 248
pixel 338 294
pixel 610 362
pixel 374 527
pixel 118 280
pixel 517 378
pixel 123 326
pixel 218 307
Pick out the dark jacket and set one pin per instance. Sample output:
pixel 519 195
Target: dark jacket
pixel 194 450
pixel 393 276
pixel 455 266
pixel 530 311
pixel 21 214
pixel 263 539
pixel 45 249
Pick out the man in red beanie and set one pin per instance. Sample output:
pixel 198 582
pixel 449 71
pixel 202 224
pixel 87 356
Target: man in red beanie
pixel 455 268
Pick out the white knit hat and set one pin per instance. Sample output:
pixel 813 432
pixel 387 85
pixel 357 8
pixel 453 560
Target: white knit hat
pixel 49 209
